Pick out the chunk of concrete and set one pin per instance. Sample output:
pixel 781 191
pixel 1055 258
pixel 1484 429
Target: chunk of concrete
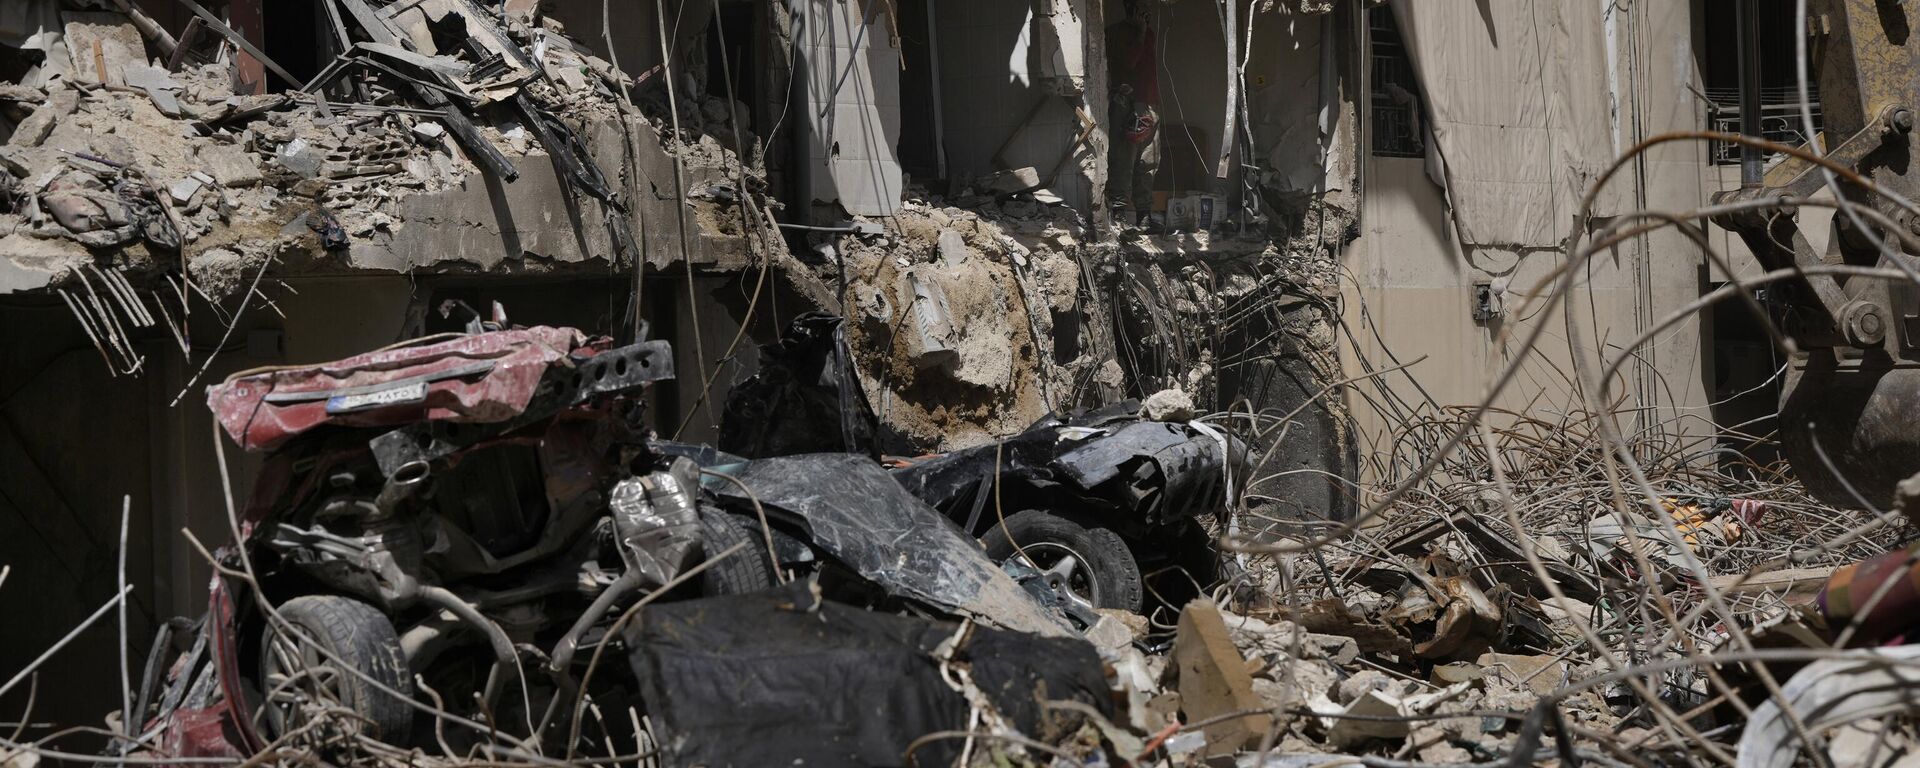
pixel 1214 681
pixel 429 130
pixel 37 126
pixel 103 46
pixel 230 164
pixel 1372 715
pixel 184 189
pixel 159 85
pixel 1171 404
pixel 932 343
pixel 1115 632
pixel 30 263
pixel 951 247
pixel 301 158
pixel 1539 674
pixel 1013 180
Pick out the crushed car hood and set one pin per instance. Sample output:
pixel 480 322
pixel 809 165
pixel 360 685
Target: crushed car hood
pixel 484 377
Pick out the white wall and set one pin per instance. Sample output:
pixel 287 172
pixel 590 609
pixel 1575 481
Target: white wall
pixel 1409 280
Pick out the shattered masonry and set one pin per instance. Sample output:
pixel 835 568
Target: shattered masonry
pixel 960 382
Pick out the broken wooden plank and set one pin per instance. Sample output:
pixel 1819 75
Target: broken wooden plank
pixel 188 37
pixel 1791 581
pixel 240 41
pixel 1214 681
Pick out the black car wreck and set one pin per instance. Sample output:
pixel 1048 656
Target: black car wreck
pixel 1086 504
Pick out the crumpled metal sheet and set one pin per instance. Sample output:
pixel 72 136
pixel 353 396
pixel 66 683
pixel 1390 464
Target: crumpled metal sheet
pixel 857 513
pixel 1085 457
pixel 803 399
pixel 263 409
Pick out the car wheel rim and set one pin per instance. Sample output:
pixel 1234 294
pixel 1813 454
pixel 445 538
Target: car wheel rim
pixel 1064 570
pixel 299 687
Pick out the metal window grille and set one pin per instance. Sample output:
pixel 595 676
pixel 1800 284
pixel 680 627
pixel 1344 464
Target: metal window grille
pixel 1395 119
pixel 1780 121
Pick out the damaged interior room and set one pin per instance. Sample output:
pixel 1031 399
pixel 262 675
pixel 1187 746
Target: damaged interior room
pixel 1169 383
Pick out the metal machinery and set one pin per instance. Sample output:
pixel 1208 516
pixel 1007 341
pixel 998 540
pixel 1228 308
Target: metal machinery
pixel 1850 419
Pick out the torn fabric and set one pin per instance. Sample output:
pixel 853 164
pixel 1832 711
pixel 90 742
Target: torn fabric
pixel 1516 94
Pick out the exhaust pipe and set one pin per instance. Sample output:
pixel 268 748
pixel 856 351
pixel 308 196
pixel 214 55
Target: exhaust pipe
pixel 405 483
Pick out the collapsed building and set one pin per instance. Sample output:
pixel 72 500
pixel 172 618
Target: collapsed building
pixel 918 205
pixel 225 189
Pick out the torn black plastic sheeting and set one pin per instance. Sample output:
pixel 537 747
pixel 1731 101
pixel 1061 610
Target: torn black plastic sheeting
pixel 782 678
pixel 855 512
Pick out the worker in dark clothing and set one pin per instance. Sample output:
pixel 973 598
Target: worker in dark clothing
pixel 1134 70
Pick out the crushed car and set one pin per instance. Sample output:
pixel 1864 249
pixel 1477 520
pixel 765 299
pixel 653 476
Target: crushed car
pixel 1085 505
pixel 463 517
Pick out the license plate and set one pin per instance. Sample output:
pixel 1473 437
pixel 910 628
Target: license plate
pixel 360 401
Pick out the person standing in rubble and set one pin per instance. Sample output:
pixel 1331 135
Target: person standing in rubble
pixel 1133 67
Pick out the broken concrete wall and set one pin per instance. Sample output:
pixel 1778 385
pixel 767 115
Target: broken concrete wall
pixel 404 197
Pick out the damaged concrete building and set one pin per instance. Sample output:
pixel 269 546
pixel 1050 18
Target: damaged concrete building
pixel 1303 231
pixel 188 206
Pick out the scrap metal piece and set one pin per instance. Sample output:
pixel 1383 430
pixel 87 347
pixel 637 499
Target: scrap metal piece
pixel 436 439
pixel 482 151
pixel 658 521
pixel 804 398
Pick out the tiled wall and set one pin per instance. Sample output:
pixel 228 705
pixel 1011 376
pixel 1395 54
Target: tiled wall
pixel 858 75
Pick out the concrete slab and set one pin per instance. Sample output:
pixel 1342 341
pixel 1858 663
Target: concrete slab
pixel 103 46
pixel 1214 680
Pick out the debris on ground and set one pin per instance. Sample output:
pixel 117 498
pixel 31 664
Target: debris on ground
pixel 1025 480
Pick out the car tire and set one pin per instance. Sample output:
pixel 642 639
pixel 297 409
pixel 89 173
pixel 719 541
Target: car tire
pixel 357 635
pixel 1047 537
pixel 742 572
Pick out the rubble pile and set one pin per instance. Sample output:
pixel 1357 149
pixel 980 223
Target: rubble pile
pixel 264 178
pixel 170 158
pixel 934 528
pixel 1485 618
pixel 956 319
